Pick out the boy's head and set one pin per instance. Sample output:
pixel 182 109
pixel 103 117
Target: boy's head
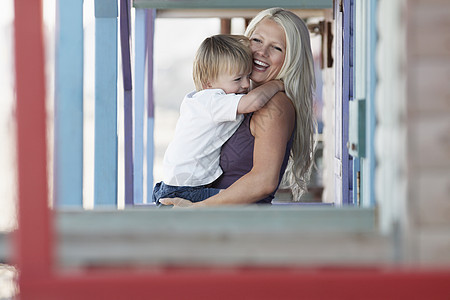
pixel 221 58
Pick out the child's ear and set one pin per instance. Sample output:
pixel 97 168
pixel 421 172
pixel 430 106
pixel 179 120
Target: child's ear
pixel 207 85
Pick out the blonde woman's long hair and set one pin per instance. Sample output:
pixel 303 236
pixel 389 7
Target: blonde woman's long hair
pixel 298 76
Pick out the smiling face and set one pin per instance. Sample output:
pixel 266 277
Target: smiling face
pixel 268 44
pixel 235 83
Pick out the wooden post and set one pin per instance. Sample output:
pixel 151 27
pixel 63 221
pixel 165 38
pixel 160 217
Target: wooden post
pixel 33 238
pixel 150 24
pixel 68 163
pixel 344 81
pixel 225 26
pixel 105 174
pixel 128 98
pixel 139 94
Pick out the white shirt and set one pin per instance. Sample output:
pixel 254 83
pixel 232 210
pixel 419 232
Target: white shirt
pixel 207 120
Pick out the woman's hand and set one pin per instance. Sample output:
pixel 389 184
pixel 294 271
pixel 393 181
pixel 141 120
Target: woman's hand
pixel 176 202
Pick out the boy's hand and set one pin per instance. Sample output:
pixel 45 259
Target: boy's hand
pixel 280 85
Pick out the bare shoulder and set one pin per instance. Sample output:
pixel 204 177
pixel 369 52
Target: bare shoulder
pixel 278 113
pixel 282 100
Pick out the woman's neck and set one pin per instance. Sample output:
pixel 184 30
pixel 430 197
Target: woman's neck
pixel 254 85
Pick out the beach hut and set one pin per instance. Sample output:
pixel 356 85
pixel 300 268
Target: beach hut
pixel 386 236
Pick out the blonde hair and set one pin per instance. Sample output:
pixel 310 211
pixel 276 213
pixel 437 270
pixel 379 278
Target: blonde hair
pixel 221 53
pixel 298 76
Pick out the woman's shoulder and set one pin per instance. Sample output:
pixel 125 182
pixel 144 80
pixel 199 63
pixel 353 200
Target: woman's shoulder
pixel 279 112
pixel 280 106
pixel 281 102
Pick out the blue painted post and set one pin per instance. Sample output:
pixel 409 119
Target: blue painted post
pixel 347 95
pixel 68 163
pixel 344 89
pixel 140 37
pixel 369 181
pixel 105 174
pixel 349 50
pixel 128 98
pixel 150 22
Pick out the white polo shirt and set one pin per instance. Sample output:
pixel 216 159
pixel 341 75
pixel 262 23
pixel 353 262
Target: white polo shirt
pixel 207 120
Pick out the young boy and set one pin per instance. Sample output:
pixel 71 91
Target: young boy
pixel 210 115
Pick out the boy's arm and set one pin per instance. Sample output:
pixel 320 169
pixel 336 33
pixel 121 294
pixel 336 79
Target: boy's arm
pixel 259 96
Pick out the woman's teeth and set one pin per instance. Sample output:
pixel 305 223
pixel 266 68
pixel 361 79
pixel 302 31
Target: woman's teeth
pixel 260 65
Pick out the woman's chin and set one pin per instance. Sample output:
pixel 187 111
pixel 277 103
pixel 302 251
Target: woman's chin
pixel 258 80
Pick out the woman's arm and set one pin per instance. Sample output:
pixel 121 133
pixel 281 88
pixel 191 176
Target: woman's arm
pixel 272 128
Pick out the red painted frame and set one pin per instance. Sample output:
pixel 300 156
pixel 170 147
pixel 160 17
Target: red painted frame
pixel 39 277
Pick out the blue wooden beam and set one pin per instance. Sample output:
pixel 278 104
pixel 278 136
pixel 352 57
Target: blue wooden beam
pixel 369 180
pixel 105 174
pixel 347 95
pixel 105 8
pixel 238 4
pixel 150 24
pixel 128 98
pixel 138 157
pixel 68 163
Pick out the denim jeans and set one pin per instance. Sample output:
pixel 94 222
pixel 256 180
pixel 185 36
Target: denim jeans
pixel 192 193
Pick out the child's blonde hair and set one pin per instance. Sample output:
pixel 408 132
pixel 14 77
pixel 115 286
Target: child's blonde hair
pixel 222 53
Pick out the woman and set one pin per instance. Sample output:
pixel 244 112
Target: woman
pixel 255 157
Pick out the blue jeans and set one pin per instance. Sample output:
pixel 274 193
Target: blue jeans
pixel 192 193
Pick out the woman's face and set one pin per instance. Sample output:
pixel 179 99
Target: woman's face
pixel 268 44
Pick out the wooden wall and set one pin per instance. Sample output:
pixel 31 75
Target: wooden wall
pixel 390 133
pixel 413 129
pixel 427 121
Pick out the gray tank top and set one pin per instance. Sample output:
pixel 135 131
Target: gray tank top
pixel 236 158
